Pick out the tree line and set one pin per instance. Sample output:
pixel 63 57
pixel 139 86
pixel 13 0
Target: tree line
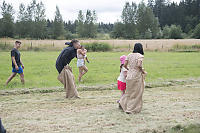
pixel 156 19
pixel 31 23
pixel 159 19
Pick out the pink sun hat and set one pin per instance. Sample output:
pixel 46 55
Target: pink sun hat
pixel 122 59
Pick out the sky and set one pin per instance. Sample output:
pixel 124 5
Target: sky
pixel 107 10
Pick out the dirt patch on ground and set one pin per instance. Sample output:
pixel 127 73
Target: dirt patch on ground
pixel 97 111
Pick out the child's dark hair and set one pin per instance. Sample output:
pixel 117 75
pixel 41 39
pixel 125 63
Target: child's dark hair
pixel 121 67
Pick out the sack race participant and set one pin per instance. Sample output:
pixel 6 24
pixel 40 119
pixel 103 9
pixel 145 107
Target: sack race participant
pixel 121 80
pixel 131 101
pixel 66 76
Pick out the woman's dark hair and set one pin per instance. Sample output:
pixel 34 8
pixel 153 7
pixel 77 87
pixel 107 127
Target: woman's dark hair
pixel 138 48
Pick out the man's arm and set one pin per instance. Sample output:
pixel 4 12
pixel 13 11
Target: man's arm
pixel 14 61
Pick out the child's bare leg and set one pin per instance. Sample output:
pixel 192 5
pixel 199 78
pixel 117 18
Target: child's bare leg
pixel 123 92
pixel 85 70
pixel 80 74
pixel 22 78
pixel 10 78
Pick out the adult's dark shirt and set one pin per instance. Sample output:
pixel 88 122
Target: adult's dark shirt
pixel 65 57
pixel 16 54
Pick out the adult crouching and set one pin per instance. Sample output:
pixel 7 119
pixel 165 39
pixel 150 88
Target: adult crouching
pixel 66 76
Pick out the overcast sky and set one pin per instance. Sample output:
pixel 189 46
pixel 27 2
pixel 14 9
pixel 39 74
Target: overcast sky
pixel 107 10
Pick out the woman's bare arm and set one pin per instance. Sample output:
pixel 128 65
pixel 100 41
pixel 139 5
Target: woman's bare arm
pixel 140 67
pixel 126 64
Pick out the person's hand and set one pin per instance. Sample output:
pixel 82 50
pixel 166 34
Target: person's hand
pixel 22 66
pixel 16 67
pixel 145 73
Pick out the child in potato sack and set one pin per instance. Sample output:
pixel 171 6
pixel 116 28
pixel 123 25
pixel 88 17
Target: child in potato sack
pixel 121 80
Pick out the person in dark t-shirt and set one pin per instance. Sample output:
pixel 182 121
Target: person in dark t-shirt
pixel 67 54
pixel 17 65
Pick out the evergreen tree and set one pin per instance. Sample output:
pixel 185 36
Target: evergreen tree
pixel 21 24
pixel 39 30
pixel 129 20
pixel 118 30
pixel 58 26
pixel 87 26
pixel 147 23
pixel 80 24
pixel 7 22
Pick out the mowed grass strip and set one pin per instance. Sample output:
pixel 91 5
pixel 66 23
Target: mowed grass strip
pixel 103 68
pixel 98 112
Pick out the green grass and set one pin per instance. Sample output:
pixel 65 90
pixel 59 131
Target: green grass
pixel 40 68
pixel 192 128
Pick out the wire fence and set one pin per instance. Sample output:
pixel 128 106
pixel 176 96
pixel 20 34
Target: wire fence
pixel 117 45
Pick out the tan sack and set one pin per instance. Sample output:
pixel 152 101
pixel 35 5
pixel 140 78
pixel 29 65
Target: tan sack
pixel 66 77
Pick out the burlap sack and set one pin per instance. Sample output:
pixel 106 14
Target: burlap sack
pixel 66 77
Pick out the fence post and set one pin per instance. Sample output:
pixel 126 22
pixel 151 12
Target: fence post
pixel 31 45
pixel 53 44
pixel 5 45
pixel 146 45
pixel 129 47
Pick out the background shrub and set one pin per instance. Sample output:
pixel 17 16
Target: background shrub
pixel 97 46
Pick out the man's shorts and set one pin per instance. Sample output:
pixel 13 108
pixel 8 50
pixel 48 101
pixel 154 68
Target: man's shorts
pixel 20 70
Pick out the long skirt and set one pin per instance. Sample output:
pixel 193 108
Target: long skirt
pixel 131 101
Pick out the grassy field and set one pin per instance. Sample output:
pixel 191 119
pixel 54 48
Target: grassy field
pixel 40 68
pixel 98 112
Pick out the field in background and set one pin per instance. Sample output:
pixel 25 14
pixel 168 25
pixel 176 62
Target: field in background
pixel 171 105
pixel 121 45
pixel 40 68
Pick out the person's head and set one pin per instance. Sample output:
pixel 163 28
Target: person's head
pixel 138 48
pixel 17 44
pixel 76 44
pixel 122 61
pixel 82 47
